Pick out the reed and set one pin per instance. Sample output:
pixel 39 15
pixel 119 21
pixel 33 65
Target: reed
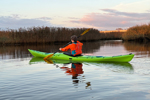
pixel 112 35
pixel 36 35
pixel 137 33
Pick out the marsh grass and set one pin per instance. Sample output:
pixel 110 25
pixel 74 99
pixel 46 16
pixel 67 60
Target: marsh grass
pixel 44 35
pixel 137 33
pixel 36 35
pixel 112 35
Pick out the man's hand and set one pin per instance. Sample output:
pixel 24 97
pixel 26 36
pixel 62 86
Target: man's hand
pixel 60 49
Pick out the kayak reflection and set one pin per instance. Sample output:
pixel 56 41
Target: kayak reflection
pixel 76 69
pixel 115 67
pixel 35 60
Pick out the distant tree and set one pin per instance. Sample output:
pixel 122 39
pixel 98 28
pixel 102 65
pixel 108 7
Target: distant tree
pixel 119 29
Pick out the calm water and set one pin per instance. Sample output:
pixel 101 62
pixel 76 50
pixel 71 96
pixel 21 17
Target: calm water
pixel 23 77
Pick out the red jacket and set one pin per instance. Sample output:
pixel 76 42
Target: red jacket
pixel 76 48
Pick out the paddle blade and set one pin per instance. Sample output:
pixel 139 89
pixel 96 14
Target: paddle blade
pixel 48 61
pixel 48 56
pixel 85 31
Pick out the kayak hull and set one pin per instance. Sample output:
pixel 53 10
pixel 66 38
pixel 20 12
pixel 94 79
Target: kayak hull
pixel 84 58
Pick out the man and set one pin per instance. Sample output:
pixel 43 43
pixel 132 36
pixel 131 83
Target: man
pixel 75 47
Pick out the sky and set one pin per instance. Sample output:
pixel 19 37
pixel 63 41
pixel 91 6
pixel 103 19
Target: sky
pixel 99 14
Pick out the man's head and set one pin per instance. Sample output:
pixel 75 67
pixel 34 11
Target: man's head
pixel 74 38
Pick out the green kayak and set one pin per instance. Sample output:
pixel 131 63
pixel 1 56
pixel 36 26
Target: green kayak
pixel 84 58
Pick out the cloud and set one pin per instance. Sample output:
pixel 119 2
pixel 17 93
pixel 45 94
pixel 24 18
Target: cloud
pixel 112 19
pixel 137 15
pixel 139 6
pixel 15 22
pixel 45 18
pixel 73 18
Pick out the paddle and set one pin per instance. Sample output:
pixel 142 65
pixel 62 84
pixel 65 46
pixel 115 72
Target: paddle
pixel 49 56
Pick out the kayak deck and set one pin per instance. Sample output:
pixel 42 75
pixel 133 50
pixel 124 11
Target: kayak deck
pixel 61 56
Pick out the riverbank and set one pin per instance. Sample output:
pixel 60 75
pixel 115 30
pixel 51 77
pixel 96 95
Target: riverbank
pixel 48 35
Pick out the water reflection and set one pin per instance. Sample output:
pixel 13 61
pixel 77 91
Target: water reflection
pixel 138 48
pixel 115 67
pixel 20 51
pixel 120 67
pixel 75 69
pixel 126 67
pixel 35 60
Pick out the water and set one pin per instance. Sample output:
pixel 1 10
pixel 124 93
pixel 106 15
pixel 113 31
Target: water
pixel 23 77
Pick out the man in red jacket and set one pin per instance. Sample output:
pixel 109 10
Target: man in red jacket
pixel 75 47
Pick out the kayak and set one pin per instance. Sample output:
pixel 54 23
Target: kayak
pixel 84 58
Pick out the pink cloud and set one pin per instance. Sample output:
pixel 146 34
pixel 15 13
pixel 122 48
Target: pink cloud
pixel 86 19
pixel 123 22
pixel 113 19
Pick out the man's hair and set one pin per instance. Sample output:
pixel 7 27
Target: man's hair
pixel 74 37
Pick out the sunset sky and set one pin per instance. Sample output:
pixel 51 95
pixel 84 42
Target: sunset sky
pixel 99 14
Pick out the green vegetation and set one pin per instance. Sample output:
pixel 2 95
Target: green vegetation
pixel 137 33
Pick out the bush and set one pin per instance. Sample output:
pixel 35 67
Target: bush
pixel 139 33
